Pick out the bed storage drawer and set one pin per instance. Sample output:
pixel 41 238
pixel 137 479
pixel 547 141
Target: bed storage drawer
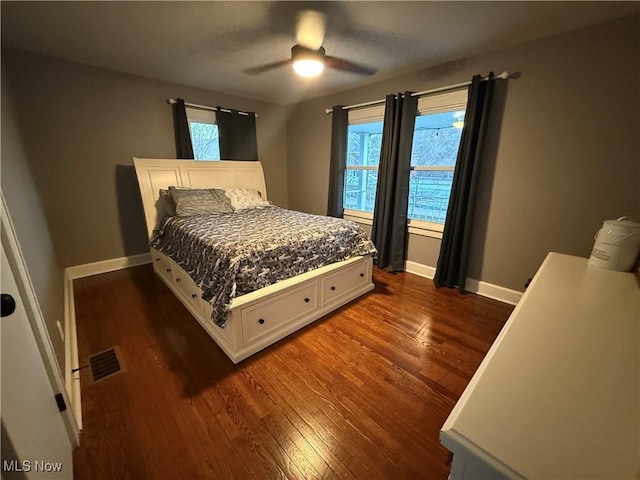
pixel 187 287
pixel 161 264
pixel 344 282
pixel 261 320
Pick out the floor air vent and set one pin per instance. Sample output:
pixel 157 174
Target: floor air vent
pixel 104 364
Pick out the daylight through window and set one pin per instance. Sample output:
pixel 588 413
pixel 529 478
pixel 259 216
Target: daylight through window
pixel 436 140
pixel 204 134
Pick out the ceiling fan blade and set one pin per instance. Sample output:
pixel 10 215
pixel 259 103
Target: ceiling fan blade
pixel 347 66
pixel 266 67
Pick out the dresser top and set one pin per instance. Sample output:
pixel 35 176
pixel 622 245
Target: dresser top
pixel 558 394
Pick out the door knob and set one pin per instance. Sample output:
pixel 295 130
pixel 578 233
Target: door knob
pixel 8 305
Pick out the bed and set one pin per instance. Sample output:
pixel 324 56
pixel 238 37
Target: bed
pixel 244 317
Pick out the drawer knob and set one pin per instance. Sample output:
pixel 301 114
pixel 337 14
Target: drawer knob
pixel 168 269
pixel 306 300
pixel 362 274
pixel 194 295
pixel 157 259
pixel 261 321
pixel 333 288
pixel 177 280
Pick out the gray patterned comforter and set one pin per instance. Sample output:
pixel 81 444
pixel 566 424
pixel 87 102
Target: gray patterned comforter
pixel 232 254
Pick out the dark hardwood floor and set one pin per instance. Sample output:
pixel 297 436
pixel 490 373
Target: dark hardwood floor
pixel 361 393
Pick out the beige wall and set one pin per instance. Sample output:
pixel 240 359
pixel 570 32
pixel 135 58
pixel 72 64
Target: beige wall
pixel 563 152
pixel 79 127
pixel 27 213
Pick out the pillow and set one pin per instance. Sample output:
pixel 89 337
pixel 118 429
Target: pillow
pixel 167 202
pixel 199 201
pixel 245 198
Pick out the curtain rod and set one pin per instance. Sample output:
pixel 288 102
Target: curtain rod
pixel 205 107
pixel 504 75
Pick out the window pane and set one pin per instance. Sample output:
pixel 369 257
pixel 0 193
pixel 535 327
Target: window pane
pixel 436 140
pixel 360 189
pixel 363 144
pixel 435 144
pixel 429 195
pixel 363 149
pixel 204 138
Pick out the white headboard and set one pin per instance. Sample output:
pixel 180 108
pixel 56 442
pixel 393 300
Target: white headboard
pixel 156 174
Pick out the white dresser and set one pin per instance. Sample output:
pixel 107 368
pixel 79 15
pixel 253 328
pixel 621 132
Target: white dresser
pixel 558 394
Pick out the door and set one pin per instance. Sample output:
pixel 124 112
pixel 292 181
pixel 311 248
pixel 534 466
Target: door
pixel 35 443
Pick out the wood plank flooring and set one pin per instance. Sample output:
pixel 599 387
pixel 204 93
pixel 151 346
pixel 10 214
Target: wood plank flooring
pixel 362 393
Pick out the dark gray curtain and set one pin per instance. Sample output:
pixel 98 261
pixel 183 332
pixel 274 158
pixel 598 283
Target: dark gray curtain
pixel 338 161
pixel 454 251
pixel 184 148
pixel 237 135
pixel 389 231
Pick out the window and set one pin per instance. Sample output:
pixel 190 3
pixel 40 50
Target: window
pixel 364 139
pixel 436 140
pixel 204 134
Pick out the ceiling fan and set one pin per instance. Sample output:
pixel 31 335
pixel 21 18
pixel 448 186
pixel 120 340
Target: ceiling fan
pixel 308 56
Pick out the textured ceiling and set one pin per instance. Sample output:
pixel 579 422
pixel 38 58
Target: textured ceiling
pixel 209 44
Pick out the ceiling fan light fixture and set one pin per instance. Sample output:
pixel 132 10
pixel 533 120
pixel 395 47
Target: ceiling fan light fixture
pixel 308 67
pixel 307 62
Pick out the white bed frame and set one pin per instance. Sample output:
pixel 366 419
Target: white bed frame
pixel 263 317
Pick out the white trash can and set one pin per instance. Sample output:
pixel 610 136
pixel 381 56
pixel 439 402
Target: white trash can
pixel 617 245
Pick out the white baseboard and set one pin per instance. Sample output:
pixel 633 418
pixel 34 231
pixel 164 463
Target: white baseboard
pixel 420 269
pixel 105 266
pixel 496 292
pixel 72 379
pixel 486 289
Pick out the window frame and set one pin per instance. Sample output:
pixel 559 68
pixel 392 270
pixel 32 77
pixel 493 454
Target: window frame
pixel 427 105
